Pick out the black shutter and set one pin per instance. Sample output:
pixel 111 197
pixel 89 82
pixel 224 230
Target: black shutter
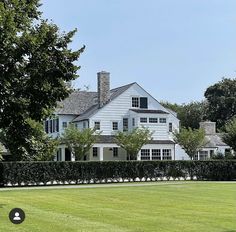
pixel 143 102
pixel 46 127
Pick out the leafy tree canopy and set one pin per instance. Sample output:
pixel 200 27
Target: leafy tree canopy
pixel 133 141
pixel 191 140
pixel 190 115
pixel 79 141
pixel 35 63
pixel 221 99
pixel 229 137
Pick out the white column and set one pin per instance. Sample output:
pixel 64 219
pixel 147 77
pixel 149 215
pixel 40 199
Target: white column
pixel 63 154
pixel 101 153
pixel 198 155
pixel 139 155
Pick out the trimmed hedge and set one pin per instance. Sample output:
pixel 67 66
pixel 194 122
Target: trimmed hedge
pixel 38 173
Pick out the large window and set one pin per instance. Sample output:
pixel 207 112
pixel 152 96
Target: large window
pixel 145 154
pixel 166 154
pixel 153 120
pixel 156 154
pixel 143 120
pixel 114 126
pixel 97 125
pixel 135 102
pixel 203 155
pixel 125 124
pixel 95 152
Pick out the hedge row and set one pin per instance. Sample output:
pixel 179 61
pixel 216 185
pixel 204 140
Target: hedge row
pixel 38 173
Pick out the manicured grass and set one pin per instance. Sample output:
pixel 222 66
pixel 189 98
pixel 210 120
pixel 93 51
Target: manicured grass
pixel 184 207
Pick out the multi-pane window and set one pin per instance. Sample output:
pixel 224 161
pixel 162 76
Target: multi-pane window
pixel 115 151
pixel 143 120
pixel 125 124
pixel 133 122
pixel 64 125
pixel 52 125
pixel 162 120
pixel 156 154
pixel 170 127
pixel 166 154
pixel 195 157
pixel 203 155
pixel 145 154
pixel 135 102
pixel 153 120
pixel 97 125
pixel 95 152
pixel 115 126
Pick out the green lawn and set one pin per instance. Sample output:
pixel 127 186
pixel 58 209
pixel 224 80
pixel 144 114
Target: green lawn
pixel 184 207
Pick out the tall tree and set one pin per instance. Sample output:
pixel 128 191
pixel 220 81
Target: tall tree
pixel 79 141
pixel 1 150
pixel 229 137
pixel 191 114
pixel 35 63
pixel 190 140
pixel 221 99
pixel 133 141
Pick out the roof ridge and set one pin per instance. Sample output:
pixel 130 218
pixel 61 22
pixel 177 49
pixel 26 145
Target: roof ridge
pixel 124 86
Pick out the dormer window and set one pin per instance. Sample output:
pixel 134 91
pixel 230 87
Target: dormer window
pixel 140 102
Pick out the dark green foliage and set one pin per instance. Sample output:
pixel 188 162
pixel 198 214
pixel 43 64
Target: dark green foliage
pixel 35 64
pixel 42 173
pixel 221 99
pixel 191 114
pixel 229 137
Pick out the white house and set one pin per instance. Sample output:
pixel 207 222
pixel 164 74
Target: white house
pixel 214 143
pixel 119 109
pixel 112 110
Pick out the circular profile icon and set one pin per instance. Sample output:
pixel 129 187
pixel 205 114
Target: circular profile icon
pixel 17 216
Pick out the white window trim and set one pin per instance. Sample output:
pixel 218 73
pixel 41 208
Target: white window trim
pixel 131 105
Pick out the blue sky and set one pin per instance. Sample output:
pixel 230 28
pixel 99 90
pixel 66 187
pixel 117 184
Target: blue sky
pixel 173 49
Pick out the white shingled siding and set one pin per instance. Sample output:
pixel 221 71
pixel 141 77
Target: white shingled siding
pixel 120 107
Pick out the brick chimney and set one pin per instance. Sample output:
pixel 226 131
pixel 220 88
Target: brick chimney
pixel 209 127
pixel 103 88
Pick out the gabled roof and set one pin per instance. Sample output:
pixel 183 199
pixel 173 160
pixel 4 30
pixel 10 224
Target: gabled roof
pixel 149 111
pixel 77 103
pixel 94 108
pixel 214 140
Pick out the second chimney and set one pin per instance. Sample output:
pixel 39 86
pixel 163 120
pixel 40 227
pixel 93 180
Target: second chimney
pixel 209 127
pixel 103 88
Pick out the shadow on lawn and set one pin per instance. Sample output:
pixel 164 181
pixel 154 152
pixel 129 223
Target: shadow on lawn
pixel 229 231
pixel 2 205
